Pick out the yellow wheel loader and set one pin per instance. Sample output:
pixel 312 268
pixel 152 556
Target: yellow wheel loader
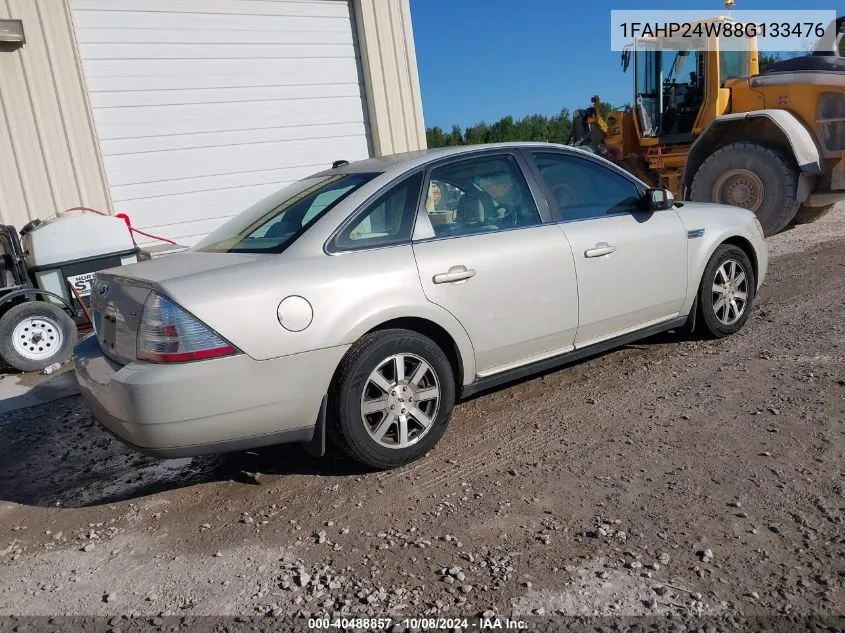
pixel 708 126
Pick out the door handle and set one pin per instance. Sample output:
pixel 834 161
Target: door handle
pixel 602 248
pixel 455 273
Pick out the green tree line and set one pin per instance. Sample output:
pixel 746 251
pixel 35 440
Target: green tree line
pixel 534 127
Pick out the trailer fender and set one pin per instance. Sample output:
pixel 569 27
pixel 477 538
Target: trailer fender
pixel 778 128
pixel 35 292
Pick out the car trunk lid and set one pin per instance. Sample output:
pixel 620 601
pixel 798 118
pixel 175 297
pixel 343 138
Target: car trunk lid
pixel 116 308
pixel 118 295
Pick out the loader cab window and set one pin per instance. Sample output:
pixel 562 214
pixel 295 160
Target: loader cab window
pixel 732 64
pixel 669 90
pixel 647 93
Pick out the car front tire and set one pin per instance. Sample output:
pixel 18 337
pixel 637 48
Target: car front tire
pixel 727 292
pixel 391 398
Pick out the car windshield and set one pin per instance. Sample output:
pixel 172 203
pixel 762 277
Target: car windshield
pixel 274 223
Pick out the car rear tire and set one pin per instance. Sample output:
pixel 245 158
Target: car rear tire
pixel 391 398
pixel 726 293
pixel 753 176
pixel 36 334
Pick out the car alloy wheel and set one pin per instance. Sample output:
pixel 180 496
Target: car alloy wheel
pixel 730 292
pixel 384 372
pixel 400 401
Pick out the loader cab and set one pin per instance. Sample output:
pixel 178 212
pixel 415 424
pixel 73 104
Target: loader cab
pixel 669 91
pixel 679 84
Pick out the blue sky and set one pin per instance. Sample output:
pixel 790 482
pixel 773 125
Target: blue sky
pixel 480 60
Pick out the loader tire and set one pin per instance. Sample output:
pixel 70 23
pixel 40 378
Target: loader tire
pixel 750 175
pixel 807 214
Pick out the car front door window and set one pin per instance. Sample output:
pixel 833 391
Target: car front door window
pixel 582 189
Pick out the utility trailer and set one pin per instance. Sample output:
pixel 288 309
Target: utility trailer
pixel 46 273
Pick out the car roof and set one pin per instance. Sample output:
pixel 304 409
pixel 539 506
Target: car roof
pixel 409 160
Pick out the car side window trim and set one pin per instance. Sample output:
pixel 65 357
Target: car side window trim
pixel 436 238
pixel 550 200
pixel 585 157
pixel 424 231
pixel 329 247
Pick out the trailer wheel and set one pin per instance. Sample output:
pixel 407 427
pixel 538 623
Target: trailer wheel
pixel 36 334
pixel 807 214
pixel 756 177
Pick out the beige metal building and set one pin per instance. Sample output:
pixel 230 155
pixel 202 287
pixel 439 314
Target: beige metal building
pixel 181 113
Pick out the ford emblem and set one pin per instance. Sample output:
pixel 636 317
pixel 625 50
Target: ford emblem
pixel 104 290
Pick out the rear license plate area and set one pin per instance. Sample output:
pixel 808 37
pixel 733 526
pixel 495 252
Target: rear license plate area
pixel 106 331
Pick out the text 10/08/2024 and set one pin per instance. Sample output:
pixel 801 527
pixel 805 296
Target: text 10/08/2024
pixel 422 623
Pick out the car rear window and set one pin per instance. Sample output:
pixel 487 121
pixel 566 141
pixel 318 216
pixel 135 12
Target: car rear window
pixel 274 223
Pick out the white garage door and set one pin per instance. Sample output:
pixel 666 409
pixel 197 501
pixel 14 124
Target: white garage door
pixel 205 106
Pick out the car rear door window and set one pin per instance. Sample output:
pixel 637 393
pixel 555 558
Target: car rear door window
pixel 388 221
pixel 479 195
pixel 583 189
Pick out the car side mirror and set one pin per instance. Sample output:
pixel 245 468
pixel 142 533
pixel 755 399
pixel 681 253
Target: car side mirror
pixel 660 199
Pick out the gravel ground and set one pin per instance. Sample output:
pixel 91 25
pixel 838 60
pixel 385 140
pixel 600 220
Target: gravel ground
pixel 670 478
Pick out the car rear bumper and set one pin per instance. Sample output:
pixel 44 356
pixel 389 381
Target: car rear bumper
pixel 210 406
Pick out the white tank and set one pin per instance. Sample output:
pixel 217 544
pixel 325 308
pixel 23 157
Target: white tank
pixel 75 236
pixel 64 252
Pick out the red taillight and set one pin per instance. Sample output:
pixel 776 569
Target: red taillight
pixel 181 357
pixel 168 334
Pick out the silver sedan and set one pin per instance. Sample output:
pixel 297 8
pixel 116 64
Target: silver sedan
pixel 361 302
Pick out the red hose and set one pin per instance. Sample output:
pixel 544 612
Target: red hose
pixel 86 209
pixel 129 226
pixel 132 229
